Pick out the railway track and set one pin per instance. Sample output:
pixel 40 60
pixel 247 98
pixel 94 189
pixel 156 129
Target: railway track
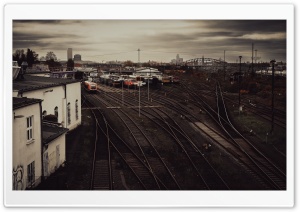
pixel 152 158
pixel 209 97
pixel 245 154
pixel 201 166
pixel 254 161
pixel 252 156
pixel 146 179
pixel 260 109
pixel 157 113
pixel 101 177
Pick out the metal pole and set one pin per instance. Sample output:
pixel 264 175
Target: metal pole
pixel 139 56
pixel 252 73
pixel 139 101
pixel 224 66
pixel 240 83
pixel 255 56
pixel 273 70
pixel 122 94
pixel 148 88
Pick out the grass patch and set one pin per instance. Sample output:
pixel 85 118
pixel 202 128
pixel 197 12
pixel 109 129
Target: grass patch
pixel 260 128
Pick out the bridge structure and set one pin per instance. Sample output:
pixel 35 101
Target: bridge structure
pixel 205 62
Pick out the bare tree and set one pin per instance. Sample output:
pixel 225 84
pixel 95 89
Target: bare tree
pixel 51 56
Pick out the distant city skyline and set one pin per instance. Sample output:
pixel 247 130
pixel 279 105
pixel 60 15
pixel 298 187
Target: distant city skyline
pixel 158 40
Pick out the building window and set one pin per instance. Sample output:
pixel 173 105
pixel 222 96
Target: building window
pixel 56 112
pixel 29 128
pixel 69 113
pixel 31 173
pixel 76 109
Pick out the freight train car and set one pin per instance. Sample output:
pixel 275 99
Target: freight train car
pixel 175 79
pixel 166 79
pixel 115 81
pixel 130 83
pixel 90 86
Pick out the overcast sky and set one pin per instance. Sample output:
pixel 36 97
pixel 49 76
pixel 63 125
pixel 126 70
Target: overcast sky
pixel 105 40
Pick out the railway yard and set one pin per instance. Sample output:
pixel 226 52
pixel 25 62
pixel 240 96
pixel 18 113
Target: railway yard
pixel 183 136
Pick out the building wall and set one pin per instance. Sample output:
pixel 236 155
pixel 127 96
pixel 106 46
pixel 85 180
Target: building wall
pixel 25 152
pixel 55 97
pixel 50 100
pixel 54 155
pixel 73 94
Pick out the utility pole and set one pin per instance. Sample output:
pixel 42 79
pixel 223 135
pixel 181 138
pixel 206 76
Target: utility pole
pixel 252 73
pixel 148 87
pixel 139 56
pixel 122 80
pixel 139 100
pixel 273 70
pixel 224 67
pixel 255 55
pixel 240 72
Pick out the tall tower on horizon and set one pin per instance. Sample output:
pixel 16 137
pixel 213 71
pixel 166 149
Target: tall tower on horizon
pixel 69 54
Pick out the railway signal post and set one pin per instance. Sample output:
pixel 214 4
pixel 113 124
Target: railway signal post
pixel 148 88
pixel 122 93
pixel 272 62
pixel 139 84
pixel 240 84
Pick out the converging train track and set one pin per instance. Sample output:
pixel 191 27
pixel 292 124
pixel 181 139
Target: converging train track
pixel 149 164
pixel 255 161
pixel 201 166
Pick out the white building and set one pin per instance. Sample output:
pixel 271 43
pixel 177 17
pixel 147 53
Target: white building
pixel 54 147
pixel 38 146
pixel 61 97
pixel 144 71
pixel 27 143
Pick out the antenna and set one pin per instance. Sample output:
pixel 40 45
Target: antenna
pixel 256 58
pixel 139 56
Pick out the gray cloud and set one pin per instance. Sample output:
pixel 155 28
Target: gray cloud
pixel 46 21
pixel 244 26
pixel 192 39
pixel 26 40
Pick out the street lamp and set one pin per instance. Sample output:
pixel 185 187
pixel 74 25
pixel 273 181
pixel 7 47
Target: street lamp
pixel 139 100
pixel 122 81
pixel 240 83
pixel 139 84
pixel 148 87
pixel 224 67
pixel 273 63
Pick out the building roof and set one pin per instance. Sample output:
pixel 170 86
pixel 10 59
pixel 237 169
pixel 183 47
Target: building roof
pixel 19 102
pixel 147 70
pixel 30 83
pixel 51 132
pixel 121 71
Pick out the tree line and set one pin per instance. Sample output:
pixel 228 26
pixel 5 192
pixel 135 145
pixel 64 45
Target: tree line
pixel 31 57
